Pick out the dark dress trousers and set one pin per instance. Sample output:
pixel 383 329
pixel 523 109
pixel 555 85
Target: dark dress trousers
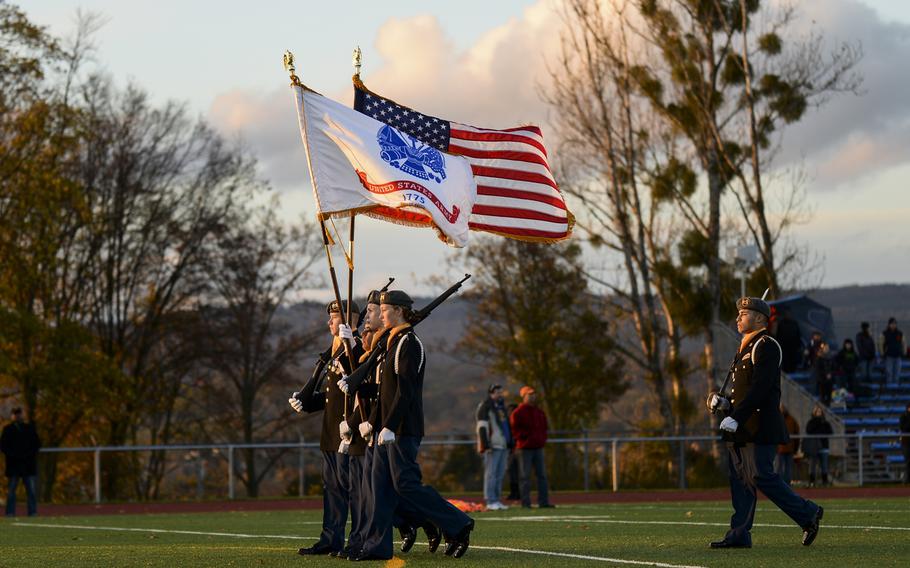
pixel 321 393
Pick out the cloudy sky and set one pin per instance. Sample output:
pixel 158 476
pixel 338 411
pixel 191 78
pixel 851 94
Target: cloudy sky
pixel 224 60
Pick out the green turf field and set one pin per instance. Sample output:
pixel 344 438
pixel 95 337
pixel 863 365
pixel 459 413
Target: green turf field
pixel 854 532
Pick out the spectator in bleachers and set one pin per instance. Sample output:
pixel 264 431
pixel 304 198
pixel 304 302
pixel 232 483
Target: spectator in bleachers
pixel 822 373
pixel 865 346
pixel 817 449
pixel 785 452
pixel 812 350
pixel 790 340
pixel 892 349
pixel 847 363
pixel 905 442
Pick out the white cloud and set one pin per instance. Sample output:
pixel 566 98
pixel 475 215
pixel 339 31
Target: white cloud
pixel 495 83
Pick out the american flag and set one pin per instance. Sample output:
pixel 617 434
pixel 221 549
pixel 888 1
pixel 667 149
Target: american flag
pixel 517 196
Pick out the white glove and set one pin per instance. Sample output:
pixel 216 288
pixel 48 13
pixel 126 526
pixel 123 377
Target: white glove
pixel 295 404
pixel 386 436
pixel 344 430
pixel 729 424
pixel 343 447
pixel 365 430
pixel 343 385
pixel 718 401
pixel 344 332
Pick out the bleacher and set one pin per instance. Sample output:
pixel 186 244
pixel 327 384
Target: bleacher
pixel 876 410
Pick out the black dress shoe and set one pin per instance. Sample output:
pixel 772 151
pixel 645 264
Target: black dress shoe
pixel 364 555
pixel 546 506
pixel 811 531
pixel 315 550
pixel 457 547
pixel 434 536
pixel 408 537
pixel 730 544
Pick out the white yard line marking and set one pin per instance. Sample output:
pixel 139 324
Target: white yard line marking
pixel 298 537
pixel 585 557
pixel 680 523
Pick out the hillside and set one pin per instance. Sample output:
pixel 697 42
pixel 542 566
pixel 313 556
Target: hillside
pixel 455 383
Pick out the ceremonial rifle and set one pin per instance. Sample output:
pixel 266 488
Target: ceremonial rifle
pixel 358 376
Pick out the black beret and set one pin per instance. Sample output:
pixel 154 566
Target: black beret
pixel 373 297
pixel 396 298
pixel 332 307
pixel 754 304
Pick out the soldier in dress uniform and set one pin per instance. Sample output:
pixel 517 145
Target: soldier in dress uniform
pixel 338 442
pixel 406 519
pixel 753 428
pixel 397 427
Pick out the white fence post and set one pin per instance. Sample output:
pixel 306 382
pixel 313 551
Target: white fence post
pixel 97 475
pixel 614 453
pixel 230 450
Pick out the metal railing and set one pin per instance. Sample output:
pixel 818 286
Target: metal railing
pixel 606 448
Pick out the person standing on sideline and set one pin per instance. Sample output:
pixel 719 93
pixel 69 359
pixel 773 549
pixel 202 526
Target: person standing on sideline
pixel 529 428
pixel 905 442
pixel 786 451
pixel 818 449
pixel 865 346
pixel 20 444
pixel 753 428
pixel 893 348
pixel 494 439
pixel 512 469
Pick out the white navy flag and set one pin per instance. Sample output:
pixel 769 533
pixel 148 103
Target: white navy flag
pixel 360 164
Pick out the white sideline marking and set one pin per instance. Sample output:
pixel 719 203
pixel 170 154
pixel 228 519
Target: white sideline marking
pixel 595 519
pixel 760 509
pixel 166 531
pixel 297 537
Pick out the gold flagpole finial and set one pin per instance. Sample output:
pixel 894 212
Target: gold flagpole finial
pixel 289 67
pixel 357 60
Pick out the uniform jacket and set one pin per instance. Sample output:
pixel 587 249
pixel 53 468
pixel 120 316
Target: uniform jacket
pixel 368 389
pixel 400 383
pixel 321 393
pixel 529 427
pixel 493 430
pixel 754 393
pixel 20 445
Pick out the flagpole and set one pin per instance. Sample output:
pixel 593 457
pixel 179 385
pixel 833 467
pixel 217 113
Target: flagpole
pixel 288 61
pixel 356 59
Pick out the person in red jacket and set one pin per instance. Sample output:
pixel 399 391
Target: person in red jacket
pixel 529 430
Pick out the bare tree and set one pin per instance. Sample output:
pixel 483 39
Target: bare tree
pixel 250 351
pixel 614 154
